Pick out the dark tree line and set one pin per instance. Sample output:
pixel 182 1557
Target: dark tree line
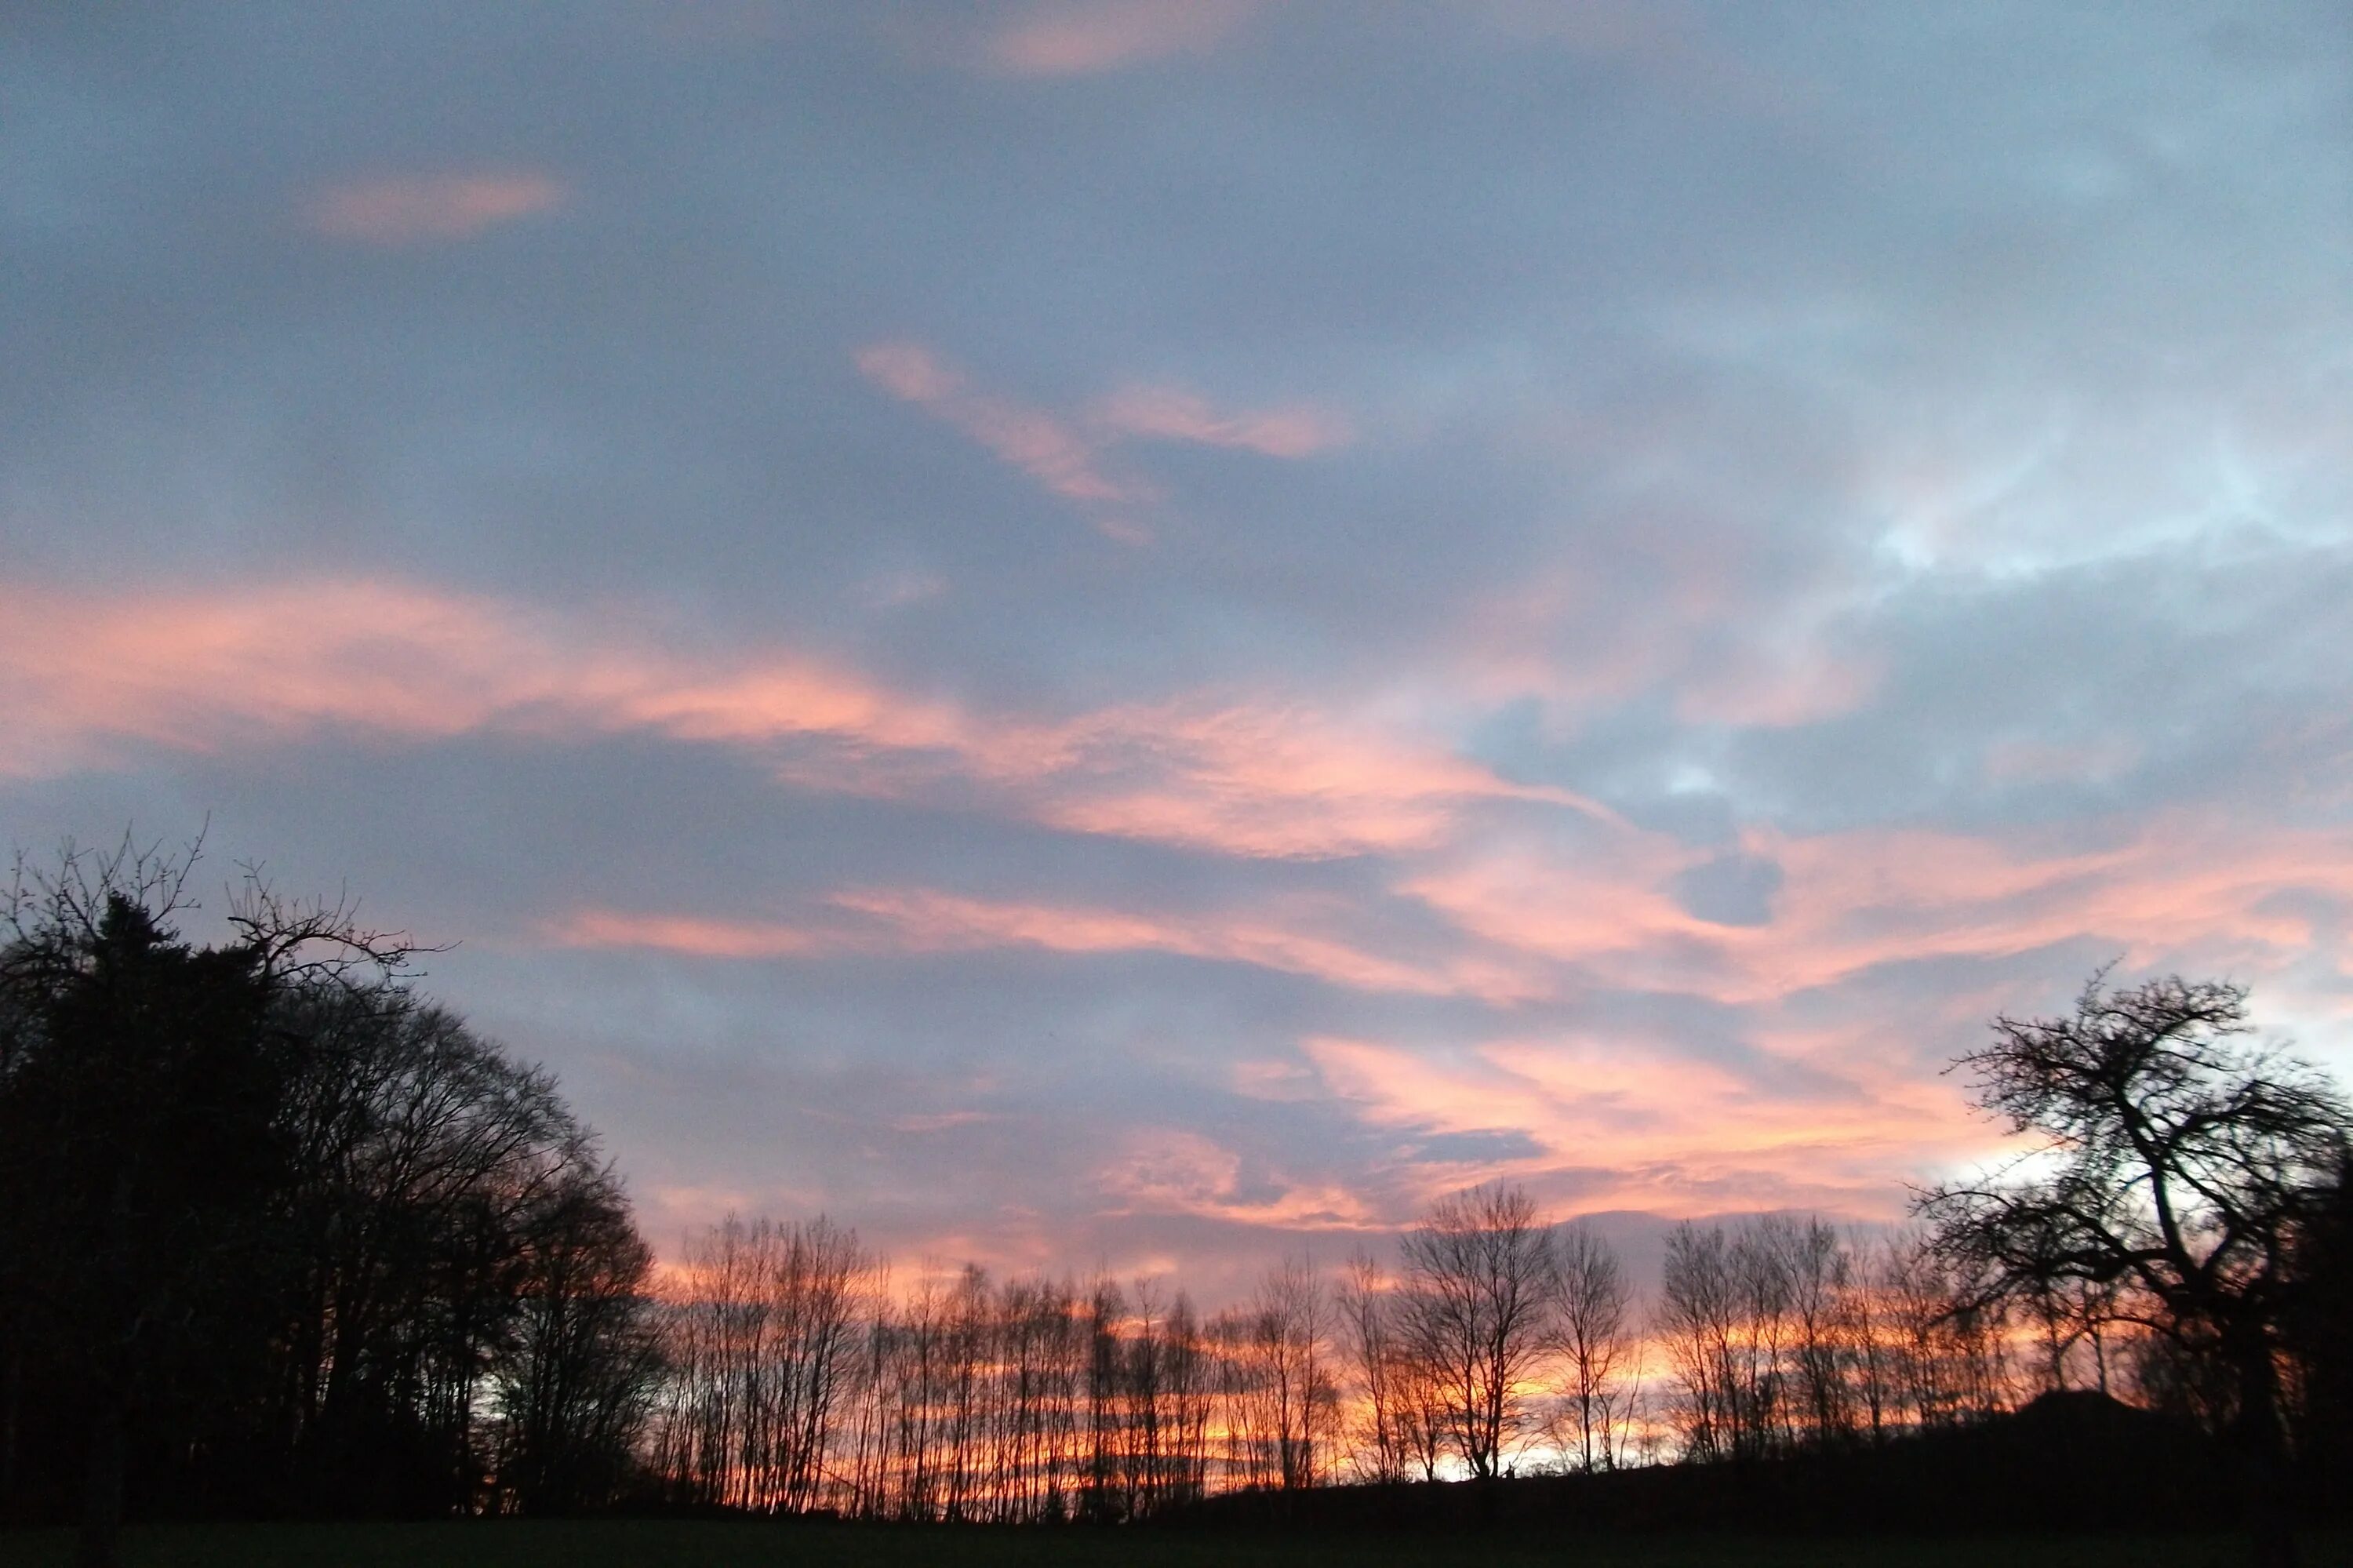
pixel 797 1379
pixel 2205 1183
pixel 277 1235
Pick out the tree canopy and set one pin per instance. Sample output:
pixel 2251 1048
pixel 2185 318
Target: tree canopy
pixel 2175 1167
pixel 277 1233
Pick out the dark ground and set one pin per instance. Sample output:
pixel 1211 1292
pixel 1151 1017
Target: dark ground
pixel 613 1543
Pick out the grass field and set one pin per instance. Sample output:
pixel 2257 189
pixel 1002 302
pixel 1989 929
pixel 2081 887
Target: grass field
pixel 504 1543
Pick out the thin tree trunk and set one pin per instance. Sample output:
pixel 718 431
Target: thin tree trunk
pixel 101 1510
pixel 2269 1519
pixel 12 1404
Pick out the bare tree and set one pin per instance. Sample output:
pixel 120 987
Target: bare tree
pixel 288 1227
pixel 575 1390
pixel 2170 1160
pixel 1378 1446
pixel 1288 1315
pixel 1478 1293
pixel 762 1349
pixel 1697 1323
pixel 1862 1322
pixel 1819 1272
pixel 1593 1318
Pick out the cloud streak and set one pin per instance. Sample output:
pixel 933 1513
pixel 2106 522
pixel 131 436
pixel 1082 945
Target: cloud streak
pixel 1679 559
pixel 1066 457
pixel 424 209
pixel 1030 440
pixel 923 920
pixel 1639 1134
pixel 90 675
pixel 1175 414
pixel 1087 37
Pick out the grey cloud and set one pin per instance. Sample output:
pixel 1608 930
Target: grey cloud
pixel 1827 419
pixel 1730 890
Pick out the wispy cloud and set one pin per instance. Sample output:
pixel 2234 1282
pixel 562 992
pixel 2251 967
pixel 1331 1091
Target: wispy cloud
pixel 1045 447
pixel 88 676
pixel 201 671
pixel 1940 619
pixel 686 934
pixel 422 209
pixel 1165 1170
pixel 1288 940
pixel 1673 1135
pixel 1849 901
pixel 1175 414
pixel 1083 37
pixel 1066 457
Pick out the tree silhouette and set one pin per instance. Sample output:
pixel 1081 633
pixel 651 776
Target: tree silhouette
pixel 275 1233
pixel 2170 1161
pixel 1594 1323
pixel 1479 1274
pixel 139 1143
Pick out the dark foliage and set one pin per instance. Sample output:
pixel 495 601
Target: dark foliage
pixel 2318 1334
pixel 278 1236
pixel 2175 1176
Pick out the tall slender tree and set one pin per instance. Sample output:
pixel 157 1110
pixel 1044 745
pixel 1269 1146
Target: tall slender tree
pixel 1593 1321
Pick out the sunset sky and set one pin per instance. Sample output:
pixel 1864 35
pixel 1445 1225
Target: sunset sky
pixel 1133 632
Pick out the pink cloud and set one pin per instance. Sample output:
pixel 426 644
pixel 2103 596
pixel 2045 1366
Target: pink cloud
pixel 89 676
pixel 1778 688
pixel 2170 884
pixel 939 1122
pixel 203 672
pixel 1270 779
pixel 416 210
pixel 1065 457
pixel 1082 38
pixel 1028 439
pixel 921 921
pixel 1174 414
pixel 1170 1171
pixel 1675 1136
pixel 1283 940
pixel 1544 894
pixel 682 934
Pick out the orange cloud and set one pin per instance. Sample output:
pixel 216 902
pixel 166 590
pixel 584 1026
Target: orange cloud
pixel 1271 780
pixel 1082 38
pixel 1173 414
pixel 935 920
pixel 417 209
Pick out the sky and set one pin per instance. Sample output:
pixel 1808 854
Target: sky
pixel 1144 632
